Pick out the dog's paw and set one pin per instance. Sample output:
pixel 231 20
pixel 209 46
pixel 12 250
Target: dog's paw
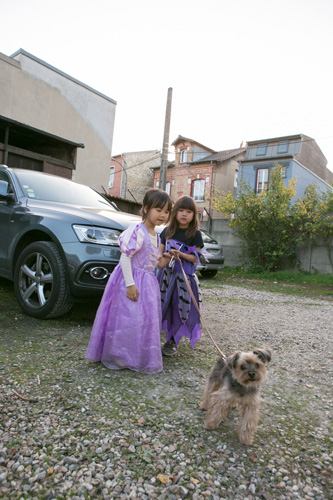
pixel 247 440
pixel 210 426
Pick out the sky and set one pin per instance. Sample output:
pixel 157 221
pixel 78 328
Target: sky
pixel 240 70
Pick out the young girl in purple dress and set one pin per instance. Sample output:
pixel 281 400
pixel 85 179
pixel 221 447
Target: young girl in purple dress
pixel 182 240
pixel 127 327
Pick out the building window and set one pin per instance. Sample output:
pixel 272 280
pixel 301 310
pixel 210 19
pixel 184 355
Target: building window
pixel 261 150
pixel 283 171
pixel 183 156
pixel 282 147
pixel 168 188
pixel 111 178
pixel 262 180
pixel 198 189
pixel 236 178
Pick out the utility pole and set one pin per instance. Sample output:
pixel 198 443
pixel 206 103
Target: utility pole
pixel 165 151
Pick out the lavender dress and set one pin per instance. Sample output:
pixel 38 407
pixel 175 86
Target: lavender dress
pixel 180 317
pixel 126 334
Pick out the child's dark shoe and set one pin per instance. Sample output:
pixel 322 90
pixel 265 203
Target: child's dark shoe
pixel 169 349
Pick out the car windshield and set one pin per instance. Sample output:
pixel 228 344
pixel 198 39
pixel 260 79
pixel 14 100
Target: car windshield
pixel 207 238
pixel 39 186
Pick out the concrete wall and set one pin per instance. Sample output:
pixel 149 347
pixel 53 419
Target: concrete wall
pixel 316 258
pixel 36 94
pixel 232 250
pixel 312 258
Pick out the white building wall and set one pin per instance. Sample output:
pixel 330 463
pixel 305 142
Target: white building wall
pixel 39 95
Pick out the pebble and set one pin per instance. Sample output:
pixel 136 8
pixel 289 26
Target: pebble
pixel 127 436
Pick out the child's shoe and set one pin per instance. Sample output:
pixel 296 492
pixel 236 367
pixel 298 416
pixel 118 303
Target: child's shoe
pixel 169 349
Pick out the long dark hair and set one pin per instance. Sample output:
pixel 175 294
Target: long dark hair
pixel 187 203
pixel 155 198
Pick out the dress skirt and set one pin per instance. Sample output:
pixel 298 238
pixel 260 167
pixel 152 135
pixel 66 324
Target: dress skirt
pixel 126 334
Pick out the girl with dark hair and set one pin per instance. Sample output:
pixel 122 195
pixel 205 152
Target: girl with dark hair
pixel 127 328
pixel 181 241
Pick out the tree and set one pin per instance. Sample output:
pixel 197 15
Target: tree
pixel 269 224
pixel 318 216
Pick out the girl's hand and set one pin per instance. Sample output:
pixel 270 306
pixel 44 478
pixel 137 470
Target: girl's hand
pixel 132 293
pixel 176 254
pixel 163 260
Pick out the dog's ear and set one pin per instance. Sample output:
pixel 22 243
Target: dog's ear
pixel 232 360
pixel 264 354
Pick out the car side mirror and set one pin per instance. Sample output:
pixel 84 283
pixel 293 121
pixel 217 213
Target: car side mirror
pixel 4 191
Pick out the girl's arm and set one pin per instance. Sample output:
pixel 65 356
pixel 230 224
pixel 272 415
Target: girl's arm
pixel 163 257
pixel 132 292
pixel 161 250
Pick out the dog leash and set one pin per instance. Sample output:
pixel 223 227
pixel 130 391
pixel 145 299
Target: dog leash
pixel 200 315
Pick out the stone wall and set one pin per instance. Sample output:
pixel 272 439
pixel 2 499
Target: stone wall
pixel 311 258
pixel 139 172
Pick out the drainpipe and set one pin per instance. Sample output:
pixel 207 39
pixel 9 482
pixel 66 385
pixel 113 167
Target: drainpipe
pixel 5 153
pixel 210 223
pixel 124 166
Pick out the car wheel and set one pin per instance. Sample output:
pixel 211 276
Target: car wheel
pixel 40 282
pixel 208 273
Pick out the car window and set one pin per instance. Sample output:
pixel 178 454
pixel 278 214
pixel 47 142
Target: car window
pixel 207 238
pixel 59 189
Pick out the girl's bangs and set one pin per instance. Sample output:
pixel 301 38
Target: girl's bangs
pixel 160 201
pixel 187 204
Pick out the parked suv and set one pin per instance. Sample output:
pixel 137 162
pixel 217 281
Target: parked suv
pixel 216 257
pixel 59 240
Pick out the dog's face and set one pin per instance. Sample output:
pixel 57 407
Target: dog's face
pixel 248 368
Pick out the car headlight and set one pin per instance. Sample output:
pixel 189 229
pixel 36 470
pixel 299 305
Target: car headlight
pixel 98 235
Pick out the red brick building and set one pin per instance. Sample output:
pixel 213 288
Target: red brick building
pixel 198 170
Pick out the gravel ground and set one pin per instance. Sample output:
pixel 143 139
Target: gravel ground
pixel 91 432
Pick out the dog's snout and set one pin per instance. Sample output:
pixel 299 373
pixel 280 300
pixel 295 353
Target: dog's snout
pixel 251 374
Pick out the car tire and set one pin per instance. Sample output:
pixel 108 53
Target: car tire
pixel 40 281
pixel 208 273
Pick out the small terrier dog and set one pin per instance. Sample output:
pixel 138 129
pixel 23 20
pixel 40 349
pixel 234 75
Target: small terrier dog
pixel 236 380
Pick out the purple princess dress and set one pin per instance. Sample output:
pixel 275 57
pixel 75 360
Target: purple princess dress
pixel 126 334
pixel 180 317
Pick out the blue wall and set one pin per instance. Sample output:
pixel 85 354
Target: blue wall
pixel 247 173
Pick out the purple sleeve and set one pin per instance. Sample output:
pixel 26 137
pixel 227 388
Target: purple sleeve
pixel 131 240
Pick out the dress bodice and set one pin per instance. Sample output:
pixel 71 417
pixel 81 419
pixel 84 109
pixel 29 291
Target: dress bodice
pixel 137 244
